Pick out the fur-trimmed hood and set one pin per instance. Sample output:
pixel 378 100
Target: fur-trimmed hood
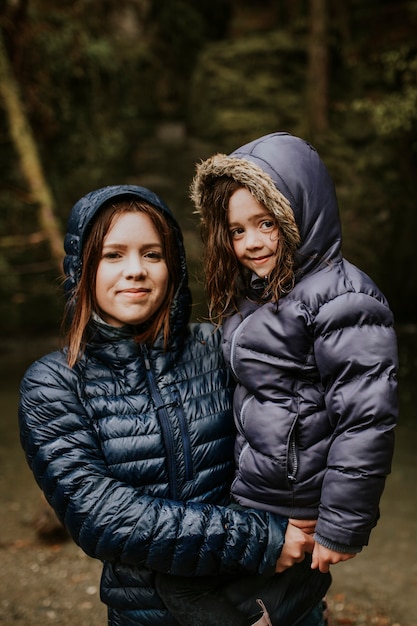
pixel 287 176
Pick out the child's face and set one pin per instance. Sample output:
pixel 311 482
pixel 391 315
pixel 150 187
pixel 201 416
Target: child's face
pixel 132 275
pixel 253 231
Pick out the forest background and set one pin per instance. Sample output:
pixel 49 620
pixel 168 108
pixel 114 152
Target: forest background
pixel 98 92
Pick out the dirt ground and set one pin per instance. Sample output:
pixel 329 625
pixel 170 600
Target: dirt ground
pixel 53 582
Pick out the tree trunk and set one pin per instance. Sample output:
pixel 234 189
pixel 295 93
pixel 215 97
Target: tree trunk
pixel 30 163
pixel 318 60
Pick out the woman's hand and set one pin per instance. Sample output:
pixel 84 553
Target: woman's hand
pixel 323 558
pixel 297 542
pixel 306 525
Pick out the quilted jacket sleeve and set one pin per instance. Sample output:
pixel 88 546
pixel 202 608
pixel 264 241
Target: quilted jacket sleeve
pixel 112 521
pixel 356 354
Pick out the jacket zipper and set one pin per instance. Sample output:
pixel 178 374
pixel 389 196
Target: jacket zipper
pixel 185 437
pixel 292 458
pixel 165 425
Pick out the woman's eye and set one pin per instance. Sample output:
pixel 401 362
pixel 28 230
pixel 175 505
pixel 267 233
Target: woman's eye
pixel 111 255
pixel 154 255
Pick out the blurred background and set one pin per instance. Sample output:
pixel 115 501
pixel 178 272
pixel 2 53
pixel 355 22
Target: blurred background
pixel 99 92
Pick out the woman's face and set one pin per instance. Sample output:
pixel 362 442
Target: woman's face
pixel 132 275
pixel 253 232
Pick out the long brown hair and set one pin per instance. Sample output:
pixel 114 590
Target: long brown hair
pixel 83 303
pixel 226 280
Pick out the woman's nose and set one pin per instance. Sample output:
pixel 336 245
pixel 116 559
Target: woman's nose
pixel 134 267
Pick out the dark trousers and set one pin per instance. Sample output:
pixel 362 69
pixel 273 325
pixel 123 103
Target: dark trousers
pixel 231 601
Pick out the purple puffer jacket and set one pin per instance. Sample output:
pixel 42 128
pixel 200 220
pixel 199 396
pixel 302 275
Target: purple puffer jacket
pixel 316 401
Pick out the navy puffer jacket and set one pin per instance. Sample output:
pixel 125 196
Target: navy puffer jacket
pixel 316 401
pixel 133 448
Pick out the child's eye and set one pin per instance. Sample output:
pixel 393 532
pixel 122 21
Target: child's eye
pixel 236 232
pixel 268 224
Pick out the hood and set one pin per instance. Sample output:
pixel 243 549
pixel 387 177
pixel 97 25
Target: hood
pixel 82 216
pixel 286 175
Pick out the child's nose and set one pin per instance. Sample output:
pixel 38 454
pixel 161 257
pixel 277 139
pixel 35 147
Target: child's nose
pixel 253 240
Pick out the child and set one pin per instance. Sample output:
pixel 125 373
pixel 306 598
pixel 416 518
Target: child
pixel 309 339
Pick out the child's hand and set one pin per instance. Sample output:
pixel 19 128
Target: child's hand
pixel 297 543
pixel 323 557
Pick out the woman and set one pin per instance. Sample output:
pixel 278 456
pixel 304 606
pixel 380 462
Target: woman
pixel 128 430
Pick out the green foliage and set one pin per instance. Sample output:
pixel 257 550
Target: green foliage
pixel 250 86
pixel 394 109
pixel 90 98
pixel 379 203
